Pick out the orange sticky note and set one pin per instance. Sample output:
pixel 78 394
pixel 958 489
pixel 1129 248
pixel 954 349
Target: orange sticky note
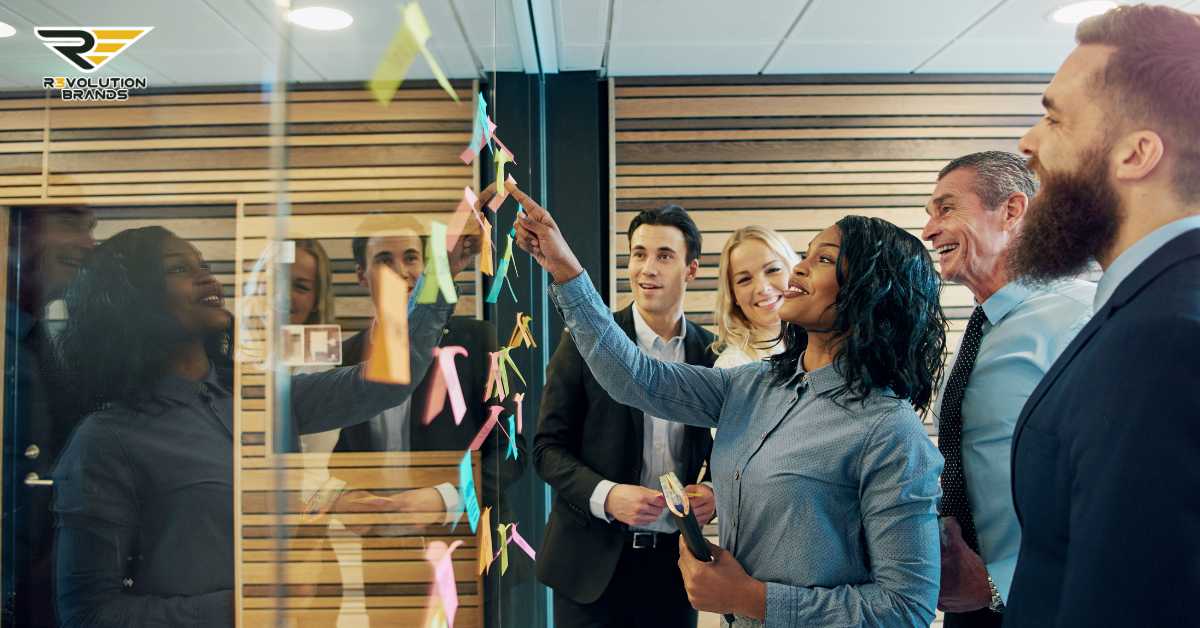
pixel 521 334
pixel 387 360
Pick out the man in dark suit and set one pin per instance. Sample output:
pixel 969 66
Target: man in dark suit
pixel 39 417
pixel 1105 454
pixel 610 551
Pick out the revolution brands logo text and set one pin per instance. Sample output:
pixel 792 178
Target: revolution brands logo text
pixel 88 48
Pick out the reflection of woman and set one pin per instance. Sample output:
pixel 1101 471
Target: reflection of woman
pixel 824 476
pixel 751 282
pixel 144 491
pixel 313 301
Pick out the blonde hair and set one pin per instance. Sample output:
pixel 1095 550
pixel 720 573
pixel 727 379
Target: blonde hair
pixel 324 312
pixel 733 328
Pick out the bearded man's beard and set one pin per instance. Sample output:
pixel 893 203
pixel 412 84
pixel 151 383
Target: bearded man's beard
pixel 1072 220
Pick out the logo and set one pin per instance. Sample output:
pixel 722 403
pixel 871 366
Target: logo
pixel 89 48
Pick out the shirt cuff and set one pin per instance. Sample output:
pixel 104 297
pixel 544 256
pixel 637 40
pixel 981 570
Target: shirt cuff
pixel 599 496
pixel 1001 573
pixel 450 498
pixel 572 292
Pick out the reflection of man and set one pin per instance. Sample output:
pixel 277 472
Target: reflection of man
pixel 610 551
pixel 1012 338
pixel 1105 473
pixel 401 428
pixel 52 242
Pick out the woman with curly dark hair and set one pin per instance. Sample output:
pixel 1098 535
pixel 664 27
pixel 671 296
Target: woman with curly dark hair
pixel 826 483
pixel 144 491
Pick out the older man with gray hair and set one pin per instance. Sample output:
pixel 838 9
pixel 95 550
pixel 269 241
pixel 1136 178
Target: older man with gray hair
pixel 1012 338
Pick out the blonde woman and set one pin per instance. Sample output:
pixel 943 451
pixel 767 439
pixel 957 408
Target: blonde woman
pixel 752 280
pixel 312 286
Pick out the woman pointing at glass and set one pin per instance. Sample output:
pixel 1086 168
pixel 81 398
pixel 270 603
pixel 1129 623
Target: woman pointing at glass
pixel 825 480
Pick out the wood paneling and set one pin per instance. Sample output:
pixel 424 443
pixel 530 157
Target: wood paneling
pixel 798 156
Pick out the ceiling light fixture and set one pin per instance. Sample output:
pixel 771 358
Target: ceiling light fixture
pixel 1077 12
pixel 320 18
pixel 6 30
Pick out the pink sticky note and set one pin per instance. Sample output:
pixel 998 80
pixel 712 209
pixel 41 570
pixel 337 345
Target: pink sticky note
pixel 516 537
pixel 463 213
pixel 519 398
pixel 487 428
pixel 445 382
pixel 444 586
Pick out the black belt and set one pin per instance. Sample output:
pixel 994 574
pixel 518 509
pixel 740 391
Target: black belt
pixel 645 539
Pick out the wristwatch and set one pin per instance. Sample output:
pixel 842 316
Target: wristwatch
pixel 997 603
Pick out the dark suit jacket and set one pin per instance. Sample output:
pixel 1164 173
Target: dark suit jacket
pixel 1106 461
pixel 442 434
pixel 584 437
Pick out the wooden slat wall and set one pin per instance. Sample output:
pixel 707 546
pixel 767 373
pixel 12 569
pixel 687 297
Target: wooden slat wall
pixel 796 157
pixel 199 164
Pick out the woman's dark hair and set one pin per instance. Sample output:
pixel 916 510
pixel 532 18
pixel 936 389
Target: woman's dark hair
pixel 119 335
pixel 889 322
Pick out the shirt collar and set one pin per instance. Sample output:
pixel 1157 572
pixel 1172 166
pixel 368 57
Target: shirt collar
pixel 1133 257
pixel 997 306
pixel 181 390
pixel 821 380
pixel 646 336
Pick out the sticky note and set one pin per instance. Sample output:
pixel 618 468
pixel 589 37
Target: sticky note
pixel 512 439
pixel 516 537
pixel 443 279
pixel 485 253
pixel 445 383
pixel 445 588
pixel 501 157
pixel 410 39
pixel 485 540
pixel 463 213
pixel 502 532
pixel 521 334
pixel 466 483
pixel 493 377
pixel 487 428
pixel 481 132
pixel 501 272
pixel 387 358
pixel 519 399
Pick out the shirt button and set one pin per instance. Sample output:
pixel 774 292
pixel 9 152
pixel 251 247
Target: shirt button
pixel 737 475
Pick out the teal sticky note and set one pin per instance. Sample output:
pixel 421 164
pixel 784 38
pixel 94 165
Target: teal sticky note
pixel 466 483
pixel 498 280
pixel 512 438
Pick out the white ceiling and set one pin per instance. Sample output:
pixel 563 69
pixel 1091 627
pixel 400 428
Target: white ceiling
pixel 198 42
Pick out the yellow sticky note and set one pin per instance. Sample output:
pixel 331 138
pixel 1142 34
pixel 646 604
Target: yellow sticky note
pixel 485 256
pixel 502 531
pixel 387 359
pixel 408 41
pixel 485 540
pixel 438 276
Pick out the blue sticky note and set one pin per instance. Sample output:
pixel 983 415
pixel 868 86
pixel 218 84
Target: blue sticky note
pixel 512 438
pixel 466 483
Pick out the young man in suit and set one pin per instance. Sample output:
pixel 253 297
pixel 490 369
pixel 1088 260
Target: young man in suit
pixel 1105 473
pixel 610 550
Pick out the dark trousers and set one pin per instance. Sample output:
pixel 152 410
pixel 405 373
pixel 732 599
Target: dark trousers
pixel 982 618
pixel 646 590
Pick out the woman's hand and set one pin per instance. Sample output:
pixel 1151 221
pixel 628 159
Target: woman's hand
pixel 721 586
pixel 538 235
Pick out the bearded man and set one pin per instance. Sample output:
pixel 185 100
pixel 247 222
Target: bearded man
pixel 1106 452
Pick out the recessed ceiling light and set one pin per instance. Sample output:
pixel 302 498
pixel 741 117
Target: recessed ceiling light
pixel 7 30
pixel 1077 12
pixel 320 18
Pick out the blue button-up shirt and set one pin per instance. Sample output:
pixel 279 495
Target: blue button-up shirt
pixel 1025 331
pixel 832 503
pixel 1141 250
